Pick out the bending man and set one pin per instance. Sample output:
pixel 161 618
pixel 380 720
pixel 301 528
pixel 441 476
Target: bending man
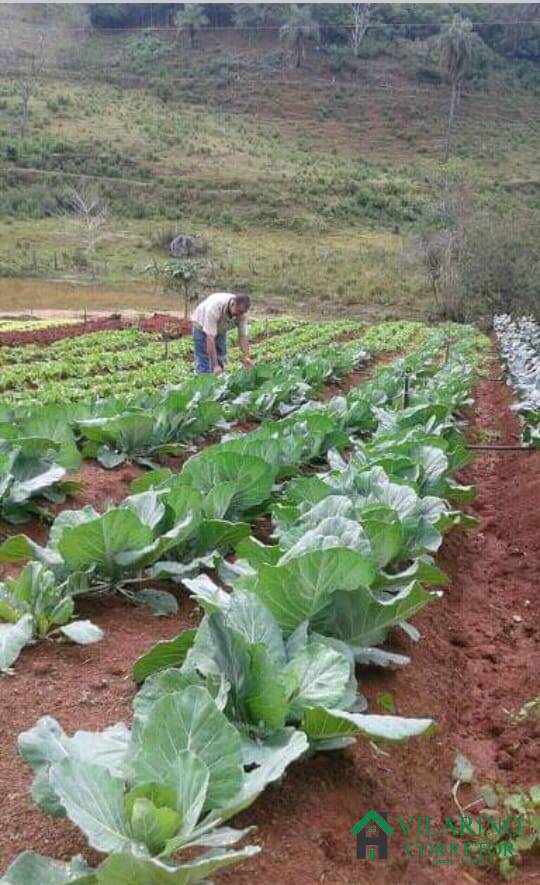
pixel 211 321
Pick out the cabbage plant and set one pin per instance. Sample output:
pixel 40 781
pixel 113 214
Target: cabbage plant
pixel 35 605
pixel 142 798
pixel 273 685
pixel 519 343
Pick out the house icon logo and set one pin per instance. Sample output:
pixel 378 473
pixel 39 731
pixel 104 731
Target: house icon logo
pixel 372 833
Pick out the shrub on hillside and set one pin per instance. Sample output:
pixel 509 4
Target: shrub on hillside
pixel 498 265
pixel 487 264
pixel 128 15
pixel 431 76
pixel 144 49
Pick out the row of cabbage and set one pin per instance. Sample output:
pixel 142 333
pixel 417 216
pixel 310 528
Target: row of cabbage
pixel 269 676
pixel 519 344
pixel 39 446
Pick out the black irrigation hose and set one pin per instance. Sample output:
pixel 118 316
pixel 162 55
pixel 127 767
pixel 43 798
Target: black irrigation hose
pixel 500 448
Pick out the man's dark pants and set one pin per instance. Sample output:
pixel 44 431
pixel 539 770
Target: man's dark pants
pixel 201 359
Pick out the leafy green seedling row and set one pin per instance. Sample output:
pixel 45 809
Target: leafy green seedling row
pixel 140 368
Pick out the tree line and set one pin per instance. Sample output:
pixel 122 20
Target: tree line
pixel 513 30
pixel 299 28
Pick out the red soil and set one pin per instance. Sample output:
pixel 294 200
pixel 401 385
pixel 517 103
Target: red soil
pixel 473 662
pixel 100 486
pixel 55 333
pixel 170 326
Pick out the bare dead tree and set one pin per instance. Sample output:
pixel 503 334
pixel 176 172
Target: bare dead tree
pixel 456 43
pixel 28 77
pixel 361 15
pixel 87 215
pixel 83 223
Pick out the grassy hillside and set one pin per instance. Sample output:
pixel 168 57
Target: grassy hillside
pixel 306 183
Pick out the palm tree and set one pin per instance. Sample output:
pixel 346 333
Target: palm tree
pixel 298 30
pixel 456 50
pixel 191 19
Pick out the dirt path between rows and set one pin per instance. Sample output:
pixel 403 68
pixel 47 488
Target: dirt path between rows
pixel 474 660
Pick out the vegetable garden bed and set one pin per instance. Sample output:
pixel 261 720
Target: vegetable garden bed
pixel 304 822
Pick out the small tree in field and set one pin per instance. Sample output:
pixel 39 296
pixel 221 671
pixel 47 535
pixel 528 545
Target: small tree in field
pixel 299 29
pixel 85 218
pixel 84 221
pixel 177 278
pixel 190 19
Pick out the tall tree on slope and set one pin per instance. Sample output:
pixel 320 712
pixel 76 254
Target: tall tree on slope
pixel 190 19
pixel 456 50
pixel 298 30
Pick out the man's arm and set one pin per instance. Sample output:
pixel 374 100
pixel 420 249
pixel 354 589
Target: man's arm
pixel 212 354
pixel 244 347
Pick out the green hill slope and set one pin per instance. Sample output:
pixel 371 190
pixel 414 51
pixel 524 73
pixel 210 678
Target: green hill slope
pixel 306 183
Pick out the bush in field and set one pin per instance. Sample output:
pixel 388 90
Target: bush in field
pixel 145 48
pixel 478 257
pixel 161 237
pixel 488 264
pixel 497 265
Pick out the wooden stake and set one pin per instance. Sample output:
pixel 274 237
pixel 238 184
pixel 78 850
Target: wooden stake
pixel 406 388
pixel 446 352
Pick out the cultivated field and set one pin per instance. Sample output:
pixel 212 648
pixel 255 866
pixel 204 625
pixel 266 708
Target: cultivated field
pixel 250 620
pixel 303 542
